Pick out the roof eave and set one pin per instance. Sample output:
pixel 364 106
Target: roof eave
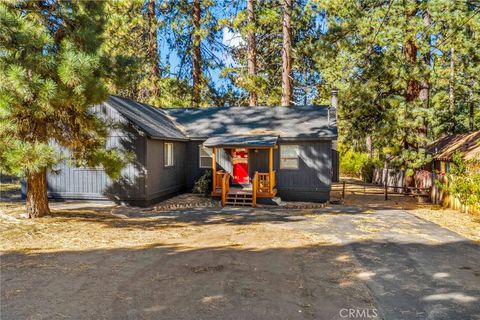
pixel 167 138
pixel 318 138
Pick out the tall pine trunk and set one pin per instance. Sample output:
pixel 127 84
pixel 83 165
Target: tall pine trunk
pixel 451 90
pixel 252 48
pixel 287 54
pixel 425 84
pixel 471 116
pixel 197 55
pixel 369 146
pixel 37 199
pixel 412 89
pixel 153 49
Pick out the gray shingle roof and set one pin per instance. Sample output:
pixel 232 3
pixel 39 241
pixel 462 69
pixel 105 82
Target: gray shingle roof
pixel 152 120
pixel 309 122
pixel 241 141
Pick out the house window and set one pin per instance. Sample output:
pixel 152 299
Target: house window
pixel 168 154
pixel 205 160
pixel 289 156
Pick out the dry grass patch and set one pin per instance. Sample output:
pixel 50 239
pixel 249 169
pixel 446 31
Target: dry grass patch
pixel 465 224
pixel 104 228
pixel 81 230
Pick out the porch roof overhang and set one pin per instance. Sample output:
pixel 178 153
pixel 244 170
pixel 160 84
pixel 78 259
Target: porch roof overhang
pixel 250 141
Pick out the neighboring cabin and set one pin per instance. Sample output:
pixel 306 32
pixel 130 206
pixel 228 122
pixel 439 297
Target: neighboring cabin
pixel 443 149
pixel 289 147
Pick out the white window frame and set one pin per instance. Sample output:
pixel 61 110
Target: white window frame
pixel 282 165
pixel 168 158
pixel 200 156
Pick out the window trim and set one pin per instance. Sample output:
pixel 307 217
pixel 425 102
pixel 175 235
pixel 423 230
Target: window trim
pixel 165 148
pixel 200 148
pixel 297 158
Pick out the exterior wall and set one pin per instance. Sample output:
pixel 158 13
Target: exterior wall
pixel 335 166
pixel 310 182
pixel 258 161
pixel 192 162
pixel 67 182
pixel 165 181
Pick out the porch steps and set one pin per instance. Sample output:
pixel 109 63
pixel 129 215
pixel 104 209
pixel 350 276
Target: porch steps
pixel 242 199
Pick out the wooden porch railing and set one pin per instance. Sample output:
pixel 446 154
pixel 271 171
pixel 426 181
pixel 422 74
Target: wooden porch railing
pixel 218 180
pixel 255 189
pixel 273 180
pixel 263 184
pixel 266 182
pixel 225 185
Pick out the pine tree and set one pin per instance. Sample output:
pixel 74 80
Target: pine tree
pixel 135 68
pixel 252 49
pixel 51 74
pixel 266 82
pixel 125 43
pixel 196 53
pixel 391 61
pixel 153 48
pixel 287 91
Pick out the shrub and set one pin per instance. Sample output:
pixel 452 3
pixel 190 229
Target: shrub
pixel 367 168
pixel 203 185
pixel 351 163
pixel 463 180
pixel 358 164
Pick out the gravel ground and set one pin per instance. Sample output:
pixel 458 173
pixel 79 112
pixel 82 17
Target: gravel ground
pixel 368 258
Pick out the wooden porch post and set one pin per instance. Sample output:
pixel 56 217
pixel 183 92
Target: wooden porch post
pixel 270 170
pixel 214 169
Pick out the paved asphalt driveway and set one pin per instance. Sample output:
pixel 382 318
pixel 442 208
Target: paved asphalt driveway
pixel 414 269
pixel 384 264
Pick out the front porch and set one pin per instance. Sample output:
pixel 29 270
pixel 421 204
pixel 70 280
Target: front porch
pixel 259 185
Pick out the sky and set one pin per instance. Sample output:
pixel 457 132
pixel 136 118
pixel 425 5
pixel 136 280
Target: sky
pixel 229 39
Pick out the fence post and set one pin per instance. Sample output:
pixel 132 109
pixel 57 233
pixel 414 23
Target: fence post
pixel 386 189
pixel 343 190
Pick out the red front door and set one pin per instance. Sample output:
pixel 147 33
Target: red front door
pixel 240 165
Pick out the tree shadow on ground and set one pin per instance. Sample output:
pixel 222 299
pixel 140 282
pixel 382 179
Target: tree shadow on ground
pixel 399 280
pixel 139 217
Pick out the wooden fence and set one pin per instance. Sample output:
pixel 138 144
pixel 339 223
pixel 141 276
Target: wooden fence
pixel 447 200
pixel 422 180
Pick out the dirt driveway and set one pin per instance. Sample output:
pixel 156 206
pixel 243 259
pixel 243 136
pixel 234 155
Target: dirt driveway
pixel 341 262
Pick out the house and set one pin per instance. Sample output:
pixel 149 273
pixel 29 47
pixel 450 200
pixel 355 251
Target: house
pixel 443 149
pixel 255 154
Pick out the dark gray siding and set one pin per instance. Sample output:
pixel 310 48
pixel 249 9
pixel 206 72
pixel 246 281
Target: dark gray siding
pixel 311 182
pixel 335 166
pixel 193 170
pixel 67 182
pixel 164 181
